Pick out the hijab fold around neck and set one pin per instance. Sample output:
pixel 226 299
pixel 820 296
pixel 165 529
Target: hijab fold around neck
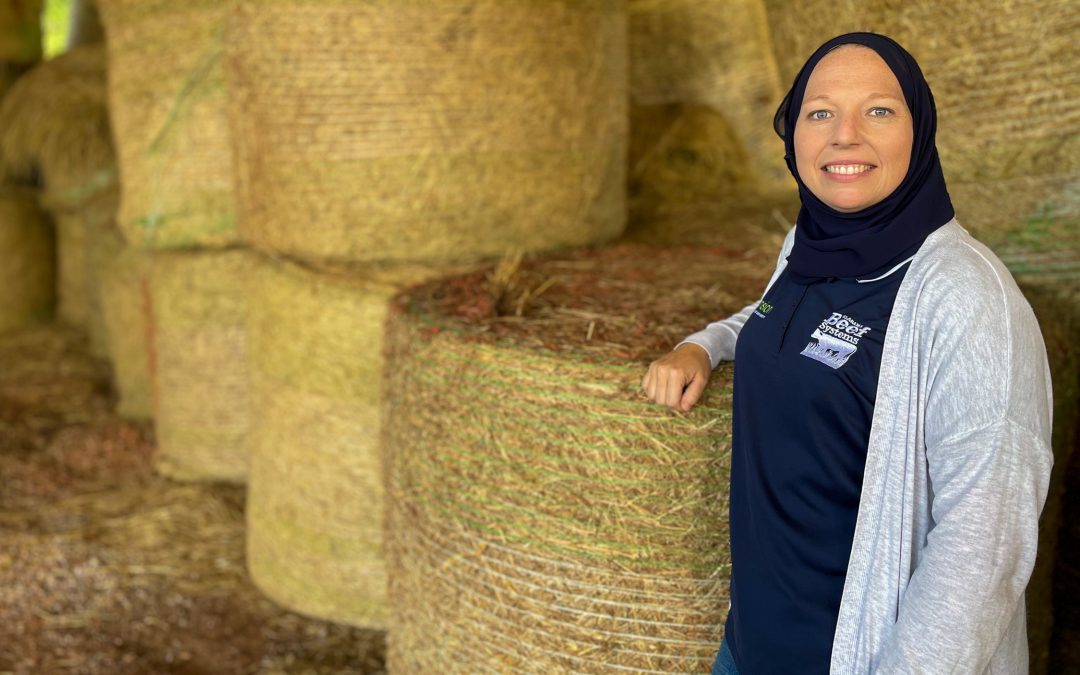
pixel 831 243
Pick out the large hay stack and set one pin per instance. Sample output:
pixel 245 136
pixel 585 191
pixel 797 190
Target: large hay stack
pixel 1003 76
pixel 167 102
pixel 428 131
pixel 705 164
pixel 315 502
pixel 542 515
pixel 27 285
pixel 199 363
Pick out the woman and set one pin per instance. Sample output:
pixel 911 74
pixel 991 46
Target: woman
pixel 891 408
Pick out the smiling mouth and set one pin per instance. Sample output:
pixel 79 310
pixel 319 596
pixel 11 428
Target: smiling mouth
pixel 847 169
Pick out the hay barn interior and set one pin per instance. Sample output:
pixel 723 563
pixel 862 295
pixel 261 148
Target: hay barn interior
pixel 323 322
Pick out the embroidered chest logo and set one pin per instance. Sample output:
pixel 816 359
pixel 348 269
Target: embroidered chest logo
pixel 763 309
pixel 835 340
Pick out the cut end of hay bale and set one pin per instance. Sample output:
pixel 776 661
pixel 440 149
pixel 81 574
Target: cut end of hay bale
pixel 542 513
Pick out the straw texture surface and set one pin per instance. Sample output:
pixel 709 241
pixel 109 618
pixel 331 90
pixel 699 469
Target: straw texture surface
pixel 542 516
pixel 428 131
pixel 27 285
pixel 199 363
pixel 705 166
pixel 167 103
pixel 1004 80
pixel 315 500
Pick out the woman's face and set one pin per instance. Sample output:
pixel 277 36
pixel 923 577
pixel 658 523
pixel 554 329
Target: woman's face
pixel 853 135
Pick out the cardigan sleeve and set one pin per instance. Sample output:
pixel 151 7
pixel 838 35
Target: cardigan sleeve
pixel 988 458
pixel 719 337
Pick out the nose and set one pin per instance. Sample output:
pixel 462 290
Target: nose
pixel 846 130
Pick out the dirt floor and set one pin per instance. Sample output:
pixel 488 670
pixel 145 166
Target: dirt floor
pixel 107 567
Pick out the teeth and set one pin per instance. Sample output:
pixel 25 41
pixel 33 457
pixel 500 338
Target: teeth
pixel 847 168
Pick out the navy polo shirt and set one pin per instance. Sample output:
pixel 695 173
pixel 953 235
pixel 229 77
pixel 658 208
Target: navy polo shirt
pixel 806 372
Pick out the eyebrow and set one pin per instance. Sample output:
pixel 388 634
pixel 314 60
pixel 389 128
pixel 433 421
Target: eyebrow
pixel 870 96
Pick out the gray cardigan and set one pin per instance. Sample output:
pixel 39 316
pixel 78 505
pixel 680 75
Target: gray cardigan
pixel 957 470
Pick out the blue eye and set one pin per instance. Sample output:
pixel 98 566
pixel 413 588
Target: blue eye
pixel 818 114
pixel 885 112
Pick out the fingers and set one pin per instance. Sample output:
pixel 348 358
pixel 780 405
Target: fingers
pixel 666 380
pixel 692 394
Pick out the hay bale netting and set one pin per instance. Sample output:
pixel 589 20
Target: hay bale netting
pixel 27 265
pixel 167 101
pixel 315 500
pixel 428 131
pixel 1004 83
pixel 704 161
pixel 199 363
pixel 541 514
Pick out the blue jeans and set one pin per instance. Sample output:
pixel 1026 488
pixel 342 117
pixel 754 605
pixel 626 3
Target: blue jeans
pixel 725 662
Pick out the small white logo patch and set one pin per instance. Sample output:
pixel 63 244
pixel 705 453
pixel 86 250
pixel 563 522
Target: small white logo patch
pixel 835 340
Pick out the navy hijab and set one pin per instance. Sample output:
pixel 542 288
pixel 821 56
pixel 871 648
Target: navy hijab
pixel 831 243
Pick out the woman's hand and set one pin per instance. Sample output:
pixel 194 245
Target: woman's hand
pixel 678 378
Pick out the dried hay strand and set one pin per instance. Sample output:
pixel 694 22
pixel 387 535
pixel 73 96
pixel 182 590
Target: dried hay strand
pixel 1004 81
pixel 428 131
pixel 315 501
pixel 704 86
pixel 124 293
pixel 689 183
pixel 199 363
pixel 167 99
pixel 27 286
pixel 540 513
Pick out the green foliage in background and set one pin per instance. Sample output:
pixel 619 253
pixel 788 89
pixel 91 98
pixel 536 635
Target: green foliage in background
pixel 54 26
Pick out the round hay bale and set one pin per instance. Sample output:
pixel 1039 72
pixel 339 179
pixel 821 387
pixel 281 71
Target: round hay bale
pixel 1004 82
pixel 167 99
pixel 54 129
pixel 714 56
pixel 315 499
pixel 428 131
pixel 199 363
pixel 689 183
pixel 27 286
pixel 541 514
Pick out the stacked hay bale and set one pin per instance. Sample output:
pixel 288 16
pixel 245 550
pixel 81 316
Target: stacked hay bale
pixel 428 130
pixel 54 132
pixel 1004 82
pixel 20 39
pixel 315 500
pixel 541 513
pixel 167 103
pixel 27 284
pixel 199 363
pixel 705 165
pixel 379 143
